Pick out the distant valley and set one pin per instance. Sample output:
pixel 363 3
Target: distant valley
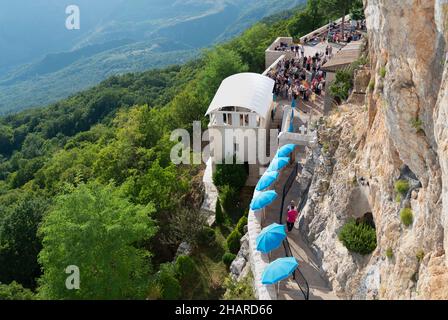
pixel 123 38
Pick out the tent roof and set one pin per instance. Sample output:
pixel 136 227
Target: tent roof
pixel 247 90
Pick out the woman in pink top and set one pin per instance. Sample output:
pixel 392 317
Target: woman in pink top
pixel 293 214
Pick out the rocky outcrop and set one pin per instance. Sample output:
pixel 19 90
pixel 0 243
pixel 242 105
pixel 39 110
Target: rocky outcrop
pixel 240 266
pixel 400 132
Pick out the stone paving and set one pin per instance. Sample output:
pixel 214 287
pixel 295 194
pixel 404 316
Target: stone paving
pixel 308 265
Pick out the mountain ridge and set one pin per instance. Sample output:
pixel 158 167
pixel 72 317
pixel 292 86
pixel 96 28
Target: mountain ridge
pixel 151 44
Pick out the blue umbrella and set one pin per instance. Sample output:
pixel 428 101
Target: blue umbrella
pixel 267 180
pixel 262 200
pixel 271 238
pixel 279 270
pixel 278 164
pixel 286 150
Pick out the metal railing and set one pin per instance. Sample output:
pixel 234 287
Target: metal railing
pixel 287 187
pixel 298 275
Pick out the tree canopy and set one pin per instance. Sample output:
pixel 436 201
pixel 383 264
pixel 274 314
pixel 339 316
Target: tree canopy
pixel 96 229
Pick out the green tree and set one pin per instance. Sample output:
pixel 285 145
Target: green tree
pixel 94 228
pixel 340 89
pixel 169 284
pixel 162 186
pixel 15 291
pixel 19 244
pixel 6 139
pixel 219 64
pixel 233 175
pixel 313 9
pixel 338 8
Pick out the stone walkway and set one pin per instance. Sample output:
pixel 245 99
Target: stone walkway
pixel 289 290
pixel 308 265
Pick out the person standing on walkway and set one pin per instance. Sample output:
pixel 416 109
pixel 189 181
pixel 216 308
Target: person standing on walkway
pixel 293 214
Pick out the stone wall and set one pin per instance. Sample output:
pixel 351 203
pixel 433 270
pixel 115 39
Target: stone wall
pixel 271 55
pixel 258 261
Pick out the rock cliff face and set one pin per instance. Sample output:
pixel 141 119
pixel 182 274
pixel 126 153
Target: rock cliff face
pixel 401 132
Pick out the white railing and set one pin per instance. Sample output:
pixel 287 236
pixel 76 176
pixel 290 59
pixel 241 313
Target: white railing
pixel 323 29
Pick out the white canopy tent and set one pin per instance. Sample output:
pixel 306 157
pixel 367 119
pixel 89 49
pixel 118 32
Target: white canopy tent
pixel 251 91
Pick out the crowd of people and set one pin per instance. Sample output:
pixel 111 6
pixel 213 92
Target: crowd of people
pixel 333 33
pixel 300 77
pixel 296 48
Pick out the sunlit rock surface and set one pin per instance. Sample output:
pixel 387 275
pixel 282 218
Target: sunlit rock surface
pixel 401 131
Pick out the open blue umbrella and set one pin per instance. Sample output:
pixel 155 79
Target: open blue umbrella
pixel 267 180
pixel 262 200
pixel 286 150
pixel 278 164
pixel 271 238
pixel 279 270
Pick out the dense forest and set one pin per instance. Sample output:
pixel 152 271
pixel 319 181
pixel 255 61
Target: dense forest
pixel 88 182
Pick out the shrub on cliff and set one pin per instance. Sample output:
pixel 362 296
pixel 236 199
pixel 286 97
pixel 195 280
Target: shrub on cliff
pixel 207 236
pixel 170 286
pixel 228 198
pixel 233 241
pixel 233 175
pixel 407 217
pixel 241 224
pixel 228 258
pixel 340 89
pixel 358 237
pixel 239 290
pixel 402 187
pixel 219 214
pixel 186 269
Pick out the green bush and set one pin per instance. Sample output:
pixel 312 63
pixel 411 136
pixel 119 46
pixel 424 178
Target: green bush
pixel 242 290
pixel 170 286
pixel 233 241
pixel 383 72
pixel 228 199
pixel 233 175
pixel 207 236
pixel 185 268
pixel 358 237
pixel 15 291
pixel 389 253
pixel 402 187
pixel 241 224
pixel 228 258
pixel 340 89
pixel 420 256
pixel 219 214
pixel 417 124
pixel 407 217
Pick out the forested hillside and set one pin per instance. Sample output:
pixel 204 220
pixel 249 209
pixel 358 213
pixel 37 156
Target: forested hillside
pixel 88 182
